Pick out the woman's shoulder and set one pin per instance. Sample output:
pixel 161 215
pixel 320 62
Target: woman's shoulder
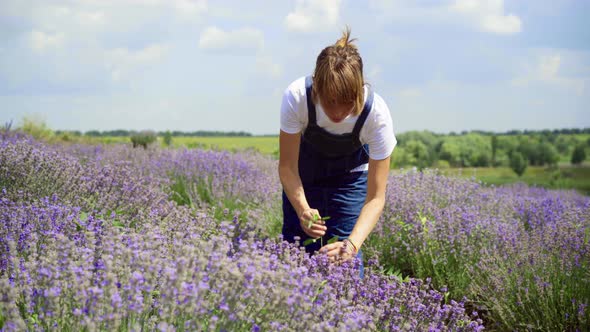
pixel 380 108
pixel 297 87
pixel 378 118
pixel 378 130
pixel 295 94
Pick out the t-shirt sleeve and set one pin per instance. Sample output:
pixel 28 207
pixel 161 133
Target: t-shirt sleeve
pixel 290 122
pixel 379 134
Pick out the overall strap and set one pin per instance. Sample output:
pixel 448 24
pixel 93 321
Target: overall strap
pixel 366 110
pixel 310 105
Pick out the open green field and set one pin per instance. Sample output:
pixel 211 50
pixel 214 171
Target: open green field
pixel 563 177
pixel 262 144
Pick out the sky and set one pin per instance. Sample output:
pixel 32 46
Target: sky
pixel 223 65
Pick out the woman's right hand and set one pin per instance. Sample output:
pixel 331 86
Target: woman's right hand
pixel 312 223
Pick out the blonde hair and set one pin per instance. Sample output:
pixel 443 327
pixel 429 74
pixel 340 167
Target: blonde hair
pixel 338 75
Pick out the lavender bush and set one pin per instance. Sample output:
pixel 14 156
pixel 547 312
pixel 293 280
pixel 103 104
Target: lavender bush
pixel 222 183
pixel 110 237
pixel 520 254
pixel 92 239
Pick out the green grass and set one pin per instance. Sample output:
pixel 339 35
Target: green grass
pixel 562 177
pixel 263 144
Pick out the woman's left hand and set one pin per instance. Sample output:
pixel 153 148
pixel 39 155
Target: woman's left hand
pixel 337 252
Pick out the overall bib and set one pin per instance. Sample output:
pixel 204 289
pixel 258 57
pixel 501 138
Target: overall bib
pixel 326 164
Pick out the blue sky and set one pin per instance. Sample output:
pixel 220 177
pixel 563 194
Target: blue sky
pixel 222 65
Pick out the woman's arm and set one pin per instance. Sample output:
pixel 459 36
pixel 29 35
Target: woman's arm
pixel 289 175
pixel 370 213
pixel 374 203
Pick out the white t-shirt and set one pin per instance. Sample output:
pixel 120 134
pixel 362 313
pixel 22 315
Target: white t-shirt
pixel 377 131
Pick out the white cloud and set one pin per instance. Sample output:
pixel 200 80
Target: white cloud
pixel 312 15
pixel 265 65
pixel 79 18
pixel 508 24
pixel 215 39
pixel 489 15
pixel 62 15
pixel 121 61
pixel 91 17
pixel 41 41
pixel 549 66
pixel 547 71
pixel 191 6
pixel 375 72
pixel 96 36
pixel 409 93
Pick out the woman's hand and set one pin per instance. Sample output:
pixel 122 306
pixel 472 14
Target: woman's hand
pixel 312 224
pixel 339 251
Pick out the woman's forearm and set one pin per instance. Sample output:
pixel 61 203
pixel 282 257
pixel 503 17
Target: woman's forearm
pixel 367 220
pixel 293 189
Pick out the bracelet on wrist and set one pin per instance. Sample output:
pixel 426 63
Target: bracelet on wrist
pixel 356 249
pixel 351 246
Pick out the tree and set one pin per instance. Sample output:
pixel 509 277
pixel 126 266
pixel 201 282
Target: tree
pixel 35 126
pixel 451 152
pixel 494 149
pixel 143 139
pixel 428 139
pixel 482 159
pixel 547 154
pixel 579 154
pixel 518 163
pixel 93 133
pixel 528 149
pixel 400 157
pixel 419 154
pixel 168 138
pixel 563 143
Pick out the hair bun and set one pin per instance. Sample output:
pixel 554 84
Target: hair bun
pixel 345 40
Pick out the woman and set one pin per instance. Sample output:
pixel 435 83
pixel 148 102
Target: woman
pixel 336 140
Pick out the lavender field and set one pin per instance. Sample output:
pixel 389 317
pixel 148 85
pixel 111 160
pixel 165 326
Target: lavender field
pixel 111 238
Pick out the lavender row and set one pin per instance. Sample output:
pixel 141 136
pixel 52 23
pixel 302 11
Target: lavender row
pixel 135 184
pixel 66 272
pixel 91 239
pixel 507 249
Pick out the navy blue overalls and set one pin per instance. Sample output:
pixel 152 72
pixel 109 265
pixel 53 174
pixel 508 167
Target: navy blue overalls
pixel 325 164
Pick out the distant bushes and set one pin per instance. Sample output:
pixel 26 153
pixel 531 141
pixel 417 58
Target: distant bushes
pixel 143 139
pixel 168 138
pixel 426 149
pixel 35 127
pixel 175 133
pixel 518 163
pixel 579 154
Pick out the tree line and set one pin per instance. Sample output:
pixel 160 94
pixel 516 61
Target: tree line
pixel 129 133
pixel 425 149
pixel 516 132
pixel 124 132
